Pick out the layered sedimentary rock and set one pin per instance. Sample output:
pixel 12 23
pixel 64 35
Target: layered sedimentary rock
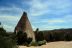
pixel 25 26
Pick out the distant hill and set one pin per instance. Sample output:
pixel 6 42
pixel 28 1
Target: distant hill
pixel 55 35
pixel 59 30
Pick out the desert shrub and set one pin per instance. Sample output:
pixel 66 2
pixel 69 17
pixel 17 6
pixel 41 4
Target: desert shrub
pixel 21 37
pixel 41 42
pixel 44 41
pixel 33 44
pixel 29 40
pixel 2 32
pixel 6 42
pixel 39 36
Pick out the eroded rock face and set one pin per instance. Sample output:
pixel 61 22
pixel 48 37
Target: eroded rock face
pixel 25 26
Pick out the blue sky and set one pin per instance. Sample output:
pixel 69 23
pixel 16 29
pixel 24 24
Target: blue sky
pixel 43 14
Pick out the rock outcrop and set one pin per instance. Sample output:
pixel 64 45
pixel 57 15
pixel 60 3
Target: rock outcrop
pixel 25 26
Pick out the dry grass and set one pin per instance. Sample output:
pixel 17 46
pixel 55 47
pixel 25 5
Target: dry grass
pixel 60 44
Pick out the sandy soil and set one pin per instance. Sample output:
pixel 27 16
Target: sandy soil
pixel 60 44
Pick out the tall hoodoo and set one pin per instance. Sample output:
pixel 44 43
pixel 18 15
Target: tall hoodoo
pixel 25 26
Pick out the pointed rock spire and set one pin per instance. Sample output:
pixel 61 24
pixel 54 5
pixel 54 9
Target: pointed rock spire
pixel 24 14
pixel 25 26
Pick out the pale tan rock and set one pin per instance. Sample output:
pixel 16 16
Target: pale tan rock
pixel 25 26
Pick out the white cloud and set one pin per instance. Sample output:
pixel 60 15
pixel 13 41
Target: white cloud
pixel 38 7
pixel 56 21
pixel 46 27
pixel 9 18
pixel 50 21
pixel 9 22
pixel 8 28
pixel 13 8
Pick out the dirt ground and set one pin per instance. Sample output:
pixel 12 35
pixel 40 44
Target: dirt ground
pixel 60 44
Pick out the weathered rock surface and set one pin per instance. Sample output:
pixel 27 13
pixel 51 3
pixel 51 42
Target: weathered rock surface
pixel 25 26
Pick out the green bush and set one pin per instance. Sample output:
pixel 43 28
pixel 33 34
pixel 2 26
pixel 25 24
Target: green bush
pixel 6 42
pixel 21 37
pixel 29 40
pixel 33 44
pixel 2 32
pixel 41 42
